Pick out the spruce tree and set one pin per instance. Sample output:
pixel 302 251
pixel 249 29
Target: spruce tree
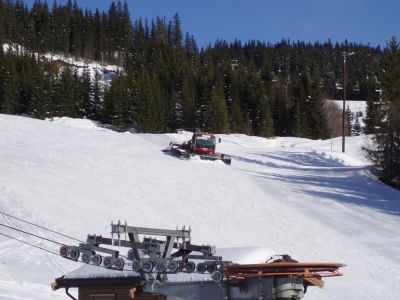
pixel 41 94
pixel 96 96
pixel 85 106
pixel 349 118
pixel 9 98
pixel 261 108
pixel 64 95
pixel 216 112
pixel 189 104
pixel 317 122
pixel 2 24
pixel 386 152
pixel 299 116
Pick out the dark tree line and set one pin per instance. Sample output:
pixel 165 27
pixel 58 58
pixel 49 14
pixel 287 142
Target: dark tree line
pixel 166 81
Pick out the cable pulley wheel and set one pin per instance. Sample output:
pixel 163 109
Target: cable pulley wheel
pixel 217 276
pixel 211 268
pixel 147 266
pixel 119 263
pixel 161 267
pixel 73 252
pixel 190 267
pixel 173 266
pixel 97 259
pixel 201 268
pixel 136 266
pixel 63 251
pixel 108 261
pixel 86 257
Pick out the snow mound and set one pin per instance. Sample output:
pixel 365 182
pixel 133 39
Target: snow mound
pixel 246 255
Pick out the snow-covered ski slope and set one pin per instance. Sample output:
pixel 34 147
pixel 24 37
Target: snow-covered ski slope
pixel 292 195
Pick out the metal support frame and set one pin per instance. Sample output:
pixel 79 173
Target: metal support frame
pixel 165 247
pixel 168 251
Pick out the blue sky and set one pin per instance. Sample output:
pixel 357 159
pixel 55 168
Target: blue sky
pixel 361 21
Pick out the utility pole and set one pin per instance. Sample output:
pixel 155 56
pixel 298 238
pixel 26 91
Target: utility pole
pixel 345 54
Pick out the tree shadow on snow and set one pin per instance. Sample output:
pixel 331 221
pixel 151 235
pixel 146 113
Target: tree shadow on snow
pixel 331 179
pixel 294 160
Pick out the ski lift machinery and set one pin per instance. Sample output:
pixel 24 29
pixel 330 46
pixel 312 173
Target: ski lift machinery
pixel 147 254
pixel 154 253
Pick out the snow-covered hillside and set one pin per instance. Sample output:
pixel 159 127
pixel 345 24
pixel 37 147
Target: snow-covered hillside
pixel 291 195
pixel 105 72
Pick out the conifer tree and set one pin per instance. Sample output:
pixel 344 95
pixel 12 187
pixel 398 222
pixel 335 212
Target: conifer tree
pixel 64 96
pixel 349 118
pixel 132 101
pixel 299 114
pixel 386 153
pixel 239 123
pixel 317 125
pixel 189 104
pixel 176 32
pixel 2 77
pixel 152 114
pixel 85 105
pixel 216 111
pixel 25 70
pixel 374 116
pixel 261 108
pixel 357 124
pixel 2 23
pixel 96 96
pixel 9 99
pixel 41 94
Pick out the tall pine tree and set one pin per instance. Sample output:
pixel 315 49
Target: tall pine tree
pixel 386 153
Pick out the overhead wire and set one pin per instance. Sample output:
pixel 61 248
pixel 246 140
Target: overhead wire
pixel 40 237
pixel 30 244
pixel 32 234
pixel 58 254
pixel 42 227
pixel 45 228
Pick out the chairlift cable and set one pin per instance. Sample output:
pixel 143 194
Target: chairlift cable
pixel 30 244
pixel 19 219
pixel 32 234
pixel 53 252
pixel 56 232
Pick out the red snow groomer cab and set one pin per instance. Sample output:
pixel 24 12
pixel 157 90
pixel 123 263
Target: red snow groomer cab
pixel 201 144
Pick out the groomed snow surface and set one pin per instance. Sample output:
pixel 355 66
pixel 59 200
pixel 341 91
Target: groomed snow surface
pixel 292 195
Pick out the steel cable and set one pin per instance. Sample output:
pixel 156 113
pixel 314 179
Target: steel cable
pixel 58 254
pixel 30 244
pixel 42 227
pixel 32 234
pixel 50 230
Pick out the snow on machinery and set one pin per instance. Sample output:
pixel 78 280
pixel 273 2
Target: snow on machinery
pixel 154 253
pixel 201 144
